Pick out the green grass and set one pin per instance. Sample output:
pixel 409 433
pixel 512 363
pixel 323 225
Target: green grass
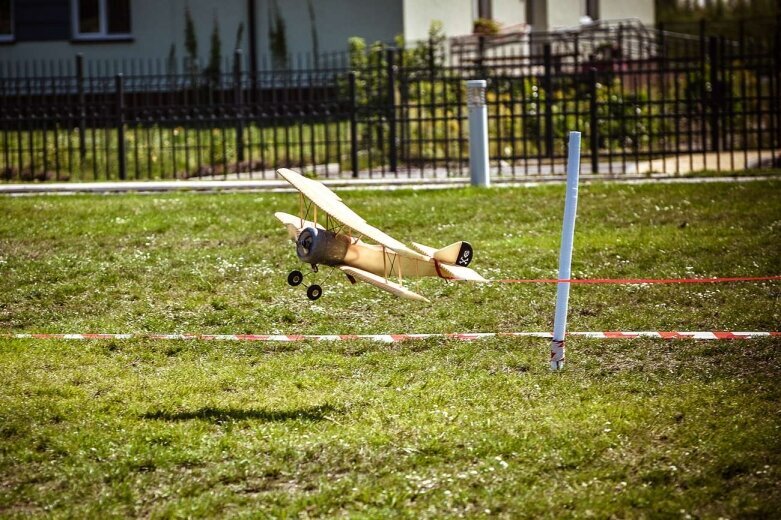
pixel 422 429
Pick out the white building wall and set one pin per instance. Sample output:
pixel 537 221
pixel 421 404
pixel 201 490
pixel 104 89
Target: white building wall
pixel 457 17
pixel 621 9
pixel 509 13
pixel 565 13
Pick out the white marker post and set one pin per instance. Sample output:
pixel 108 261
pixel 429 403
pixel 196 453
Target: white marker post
pixel 478 132
pixel 565 254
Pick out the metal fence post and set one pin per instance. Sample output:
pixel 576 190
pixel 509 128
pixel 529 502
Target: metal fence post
pixel 393 151
pixel 120 103
pixel 239 102
pixel 777 64
pixel 353 124
pixel 81 108
pixel 593 121
pixel 478 132
pixel 548 87
pixel 776 139
pixel 715 88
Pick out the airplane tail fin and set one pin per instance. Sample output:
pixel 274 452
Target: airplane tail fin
pixel 459 253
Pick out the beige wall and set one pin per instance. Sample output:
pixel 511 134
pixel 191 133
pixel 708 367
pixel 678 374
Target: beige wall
pixel 509 12
pixel 566 13
pixel 617 10
pixel 456 17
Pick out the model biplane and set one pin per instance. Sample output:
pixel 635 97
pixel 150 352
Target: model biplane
pixel 340 244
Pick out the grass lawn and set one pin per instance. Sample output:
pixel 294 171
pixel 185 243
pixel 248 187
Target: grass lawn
pixel 428 428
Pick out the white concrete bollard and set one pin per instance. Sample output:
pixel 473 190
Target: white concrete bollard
pixel 478 132
pixel 565 253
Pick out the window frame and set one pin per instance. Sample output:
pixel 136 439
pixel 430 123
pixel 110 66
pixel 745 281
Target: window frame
pixel 102 34
pixel 11 36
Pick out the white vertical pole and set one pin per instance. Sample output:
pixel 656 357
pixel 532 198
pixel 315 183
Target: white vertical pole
pixel 478 132
pixel 565 253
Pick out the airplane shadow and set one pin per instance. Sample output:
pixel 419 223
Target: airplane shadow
pixel 219 415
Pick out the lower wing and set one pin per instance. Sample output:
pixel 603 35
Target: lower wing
pixel 382 283
pixel 461 273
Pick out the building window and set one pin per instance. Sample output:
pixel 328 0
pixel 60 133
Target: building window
pixel 6 21
pixel 101 19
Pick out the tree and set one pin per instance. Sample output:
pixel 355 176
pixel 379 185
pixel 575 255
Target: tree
pixel 277 37
pixel 212 70
pixel 190 42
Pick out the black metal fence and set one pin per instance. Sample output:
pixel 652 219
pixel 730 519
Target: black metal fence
pixel 647 101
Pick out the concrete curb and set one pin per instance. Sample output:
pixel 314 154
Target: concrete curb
pixel 273 185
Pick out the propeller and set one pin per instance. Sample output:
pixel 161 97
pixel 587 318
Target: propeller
pixel 304 243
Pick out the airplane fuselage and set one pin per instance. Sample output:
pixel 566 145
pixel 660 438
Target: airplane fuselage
pixel 318 246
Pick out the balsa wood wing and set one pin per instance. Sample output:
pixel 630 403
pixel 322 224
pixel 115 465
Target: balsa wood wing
pixel 294 224
pixel 461 273
pixel 382 283
pixel 329 202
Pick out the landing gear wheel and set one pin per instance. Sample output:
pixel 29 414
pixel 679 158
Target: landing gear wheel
pixel 313 292
pixel 295 278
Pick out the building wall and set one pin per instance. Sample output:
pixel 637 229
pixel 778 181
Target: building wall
pixel 510 13
pixel 155 26
pixel 456 16
pixel 329 23
pixel 565 13
pixel 620 9
pixel 158 25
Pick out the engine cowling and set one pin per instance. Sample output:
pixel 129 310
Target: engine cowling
pixel 318 246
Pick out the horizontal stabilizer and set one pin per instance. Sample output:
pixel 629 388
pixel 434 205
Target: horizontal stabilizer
pixel 382 283
pixel 459 253
pixel 426 250
pixel 461 273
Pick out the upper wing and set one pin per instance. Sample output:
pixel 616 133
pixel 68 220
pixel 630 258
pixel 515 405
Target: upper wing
pixel 329 202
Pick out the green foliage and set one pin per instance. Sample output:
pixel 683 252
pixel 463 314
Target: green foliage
pixel 313 33
pixel 170 62
pixel 277 37
pixel 673 11
pixel 428 54
pixel 239 36
pixel 424 429
pixel 486 26
pixel 212 70
pixel 190 41
pixel 723 18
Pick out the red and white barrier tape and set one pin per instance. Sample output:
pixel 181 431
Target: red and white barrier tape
pixel 629 281
pixel 393 338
